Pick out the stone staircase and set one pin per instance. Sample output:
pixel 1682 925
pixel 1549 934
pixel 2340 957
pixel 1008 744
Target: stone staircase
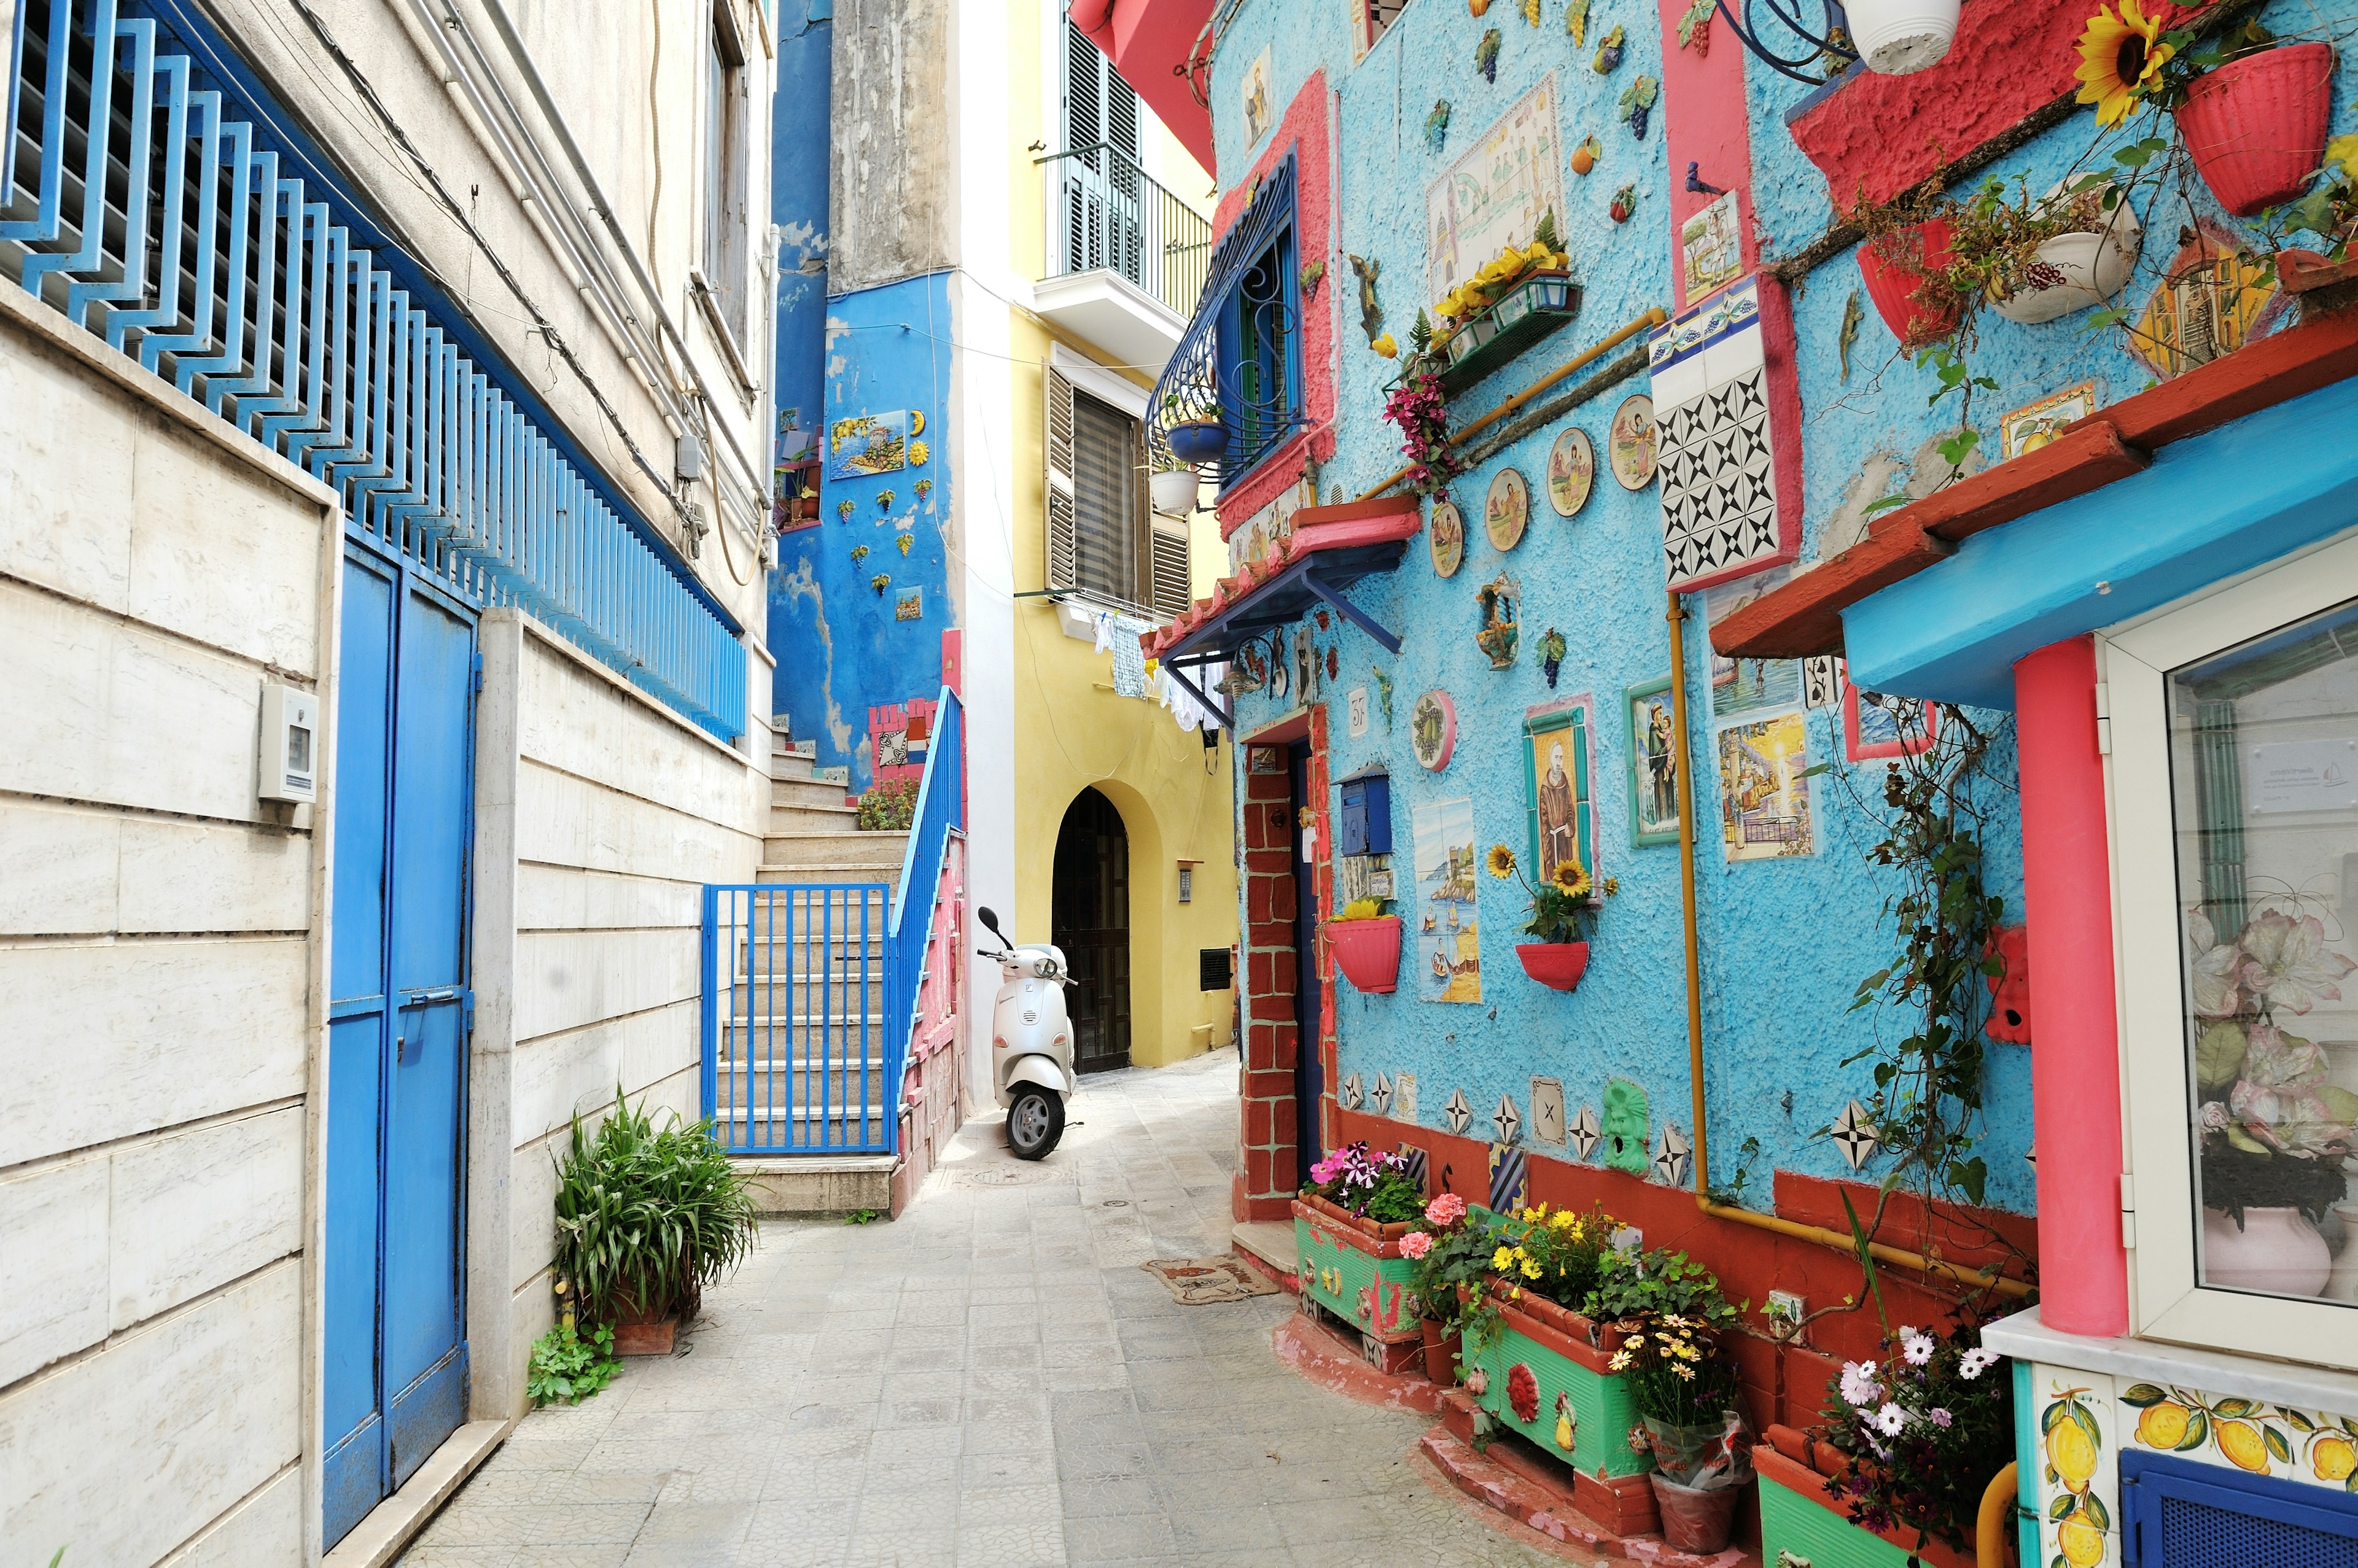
pixel 817 973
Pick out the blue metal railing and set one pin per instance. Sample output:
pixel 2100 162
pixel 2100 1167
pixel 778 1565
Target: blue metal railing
pixel 814 991
pixel 139 203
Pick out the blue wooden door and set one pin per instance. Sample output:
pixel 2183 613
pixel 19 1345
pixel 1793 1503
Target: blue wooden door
pixel 396 1380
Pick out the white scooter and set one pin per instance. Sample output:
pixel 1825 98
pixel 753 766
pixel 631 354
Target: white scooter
pixel 1030 1041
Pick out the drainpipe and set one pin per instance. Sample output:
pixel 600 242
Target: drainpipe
pixel 1837 1241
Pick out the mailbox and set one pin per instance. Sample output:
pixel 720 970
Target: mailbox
pixel 1367 826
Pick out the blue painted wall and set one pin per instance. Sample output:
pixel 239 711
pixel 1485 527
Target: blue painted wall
pixel 1785 942
pixel 799 128
pixel 841 648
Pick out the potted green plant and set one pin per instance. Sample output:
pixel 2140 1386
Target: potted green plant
pixel 1366 942
pixel 1447 1254
pixel 1672 1327
pixel 1562 908
pixel 1897 1466
pixel 1193 439
pixel 1347 1225
pixel 646 1217
pixel 2036 260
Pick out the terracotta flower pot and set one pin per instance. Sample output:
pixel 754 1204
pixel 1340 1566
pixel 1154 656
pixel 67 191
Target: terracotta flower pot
pixel 1695 1521
pixel 1892 267
pixel 1367 952
pixel 2275 1250
pixel 1555 965
pixel 2256 127
pixel 1441 1353
pixel 641 1333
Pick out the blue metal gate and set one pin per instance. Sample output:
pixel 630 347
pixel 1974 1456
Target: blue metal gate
pixel 396 1354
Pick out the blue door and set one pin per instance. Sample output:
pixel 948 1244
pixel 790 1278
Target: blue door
pixel 396 1353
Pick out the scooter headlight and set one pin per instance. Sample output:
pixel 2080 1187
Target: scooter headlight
pixel 1043 967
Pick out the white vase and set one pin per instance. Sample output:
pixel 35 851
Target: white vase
pixel 2344 1285
pixel 2094 268
pixel 2276 1251
pixel 1897 36
pixel 1173 492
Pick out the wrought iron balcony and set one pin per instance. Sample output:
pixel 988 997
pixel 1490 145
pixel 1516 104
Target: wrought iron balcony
pixel 1126 256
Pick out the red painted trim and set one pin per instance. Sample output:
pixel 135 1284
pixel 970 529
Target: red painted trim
pixel 1804 616
pixel 2075 1083
pixel 1704 121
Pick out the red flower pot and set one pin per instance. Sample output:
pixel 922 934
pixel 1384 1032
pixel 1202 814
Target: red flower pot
pixel 2256 127
pixel 1555 965
pixel 1893 266
pixel 1440 1354
pixel 1367 952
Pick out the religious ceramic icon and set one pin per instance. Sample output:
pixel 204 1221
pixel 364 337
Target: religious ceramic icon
pixel 1635 442
pixel 1507 510
pixel 1571 471
pixel 1445 537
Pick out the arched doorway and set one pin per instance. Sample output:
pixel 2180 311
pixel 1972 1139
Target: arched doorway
pixel 1089 919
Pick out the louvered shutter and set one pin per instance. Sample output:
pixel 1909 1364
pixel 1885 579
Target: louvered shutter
pixel 1168 594
pixel 1062 565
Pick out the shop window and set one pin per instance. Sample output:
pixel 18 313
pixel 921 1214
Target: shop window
pixel 2235 783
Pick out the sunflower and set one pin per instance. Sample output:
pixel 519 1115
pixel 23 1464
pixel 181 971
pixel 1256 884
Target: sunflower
pixel 1571 879
pixel 1501 861
pixel 2121 58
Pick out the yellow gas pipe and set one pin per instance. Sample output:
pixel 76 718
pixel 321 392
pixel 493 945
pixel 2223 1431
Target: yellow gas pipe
pixel 1984 1277
pixel 1996 1521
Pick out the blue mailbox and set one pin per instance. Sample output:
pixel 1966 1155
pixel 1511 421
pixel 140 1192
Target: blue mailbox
pixel 1367 827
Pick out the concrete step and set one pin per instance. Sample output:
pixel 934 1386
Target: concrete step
pixel 847 850
pixel 818 1186
pixel 820 1130
pixel 841 1091
pixel 805 791
pixel 1271 1240
pixel 813 816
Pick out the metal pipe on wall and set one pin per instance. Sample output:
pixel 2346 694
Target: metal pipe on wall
pixel 1982 1278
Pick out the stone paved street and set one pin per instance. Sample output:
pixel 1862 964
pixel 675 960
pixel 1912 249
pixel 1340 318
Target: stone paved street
pixel 990 1379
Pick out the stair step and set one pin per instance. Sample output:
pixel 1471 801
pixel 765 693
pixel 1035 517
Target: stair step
pixel 808 817
pixel 761 1065
pixel 785 792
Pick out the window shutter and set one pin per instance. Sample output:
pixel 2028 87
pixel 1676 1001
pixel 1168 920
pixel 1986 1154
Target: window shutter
pixel 1084 106
pixel 1121 112
pixel 1168 594
pixel 1062 565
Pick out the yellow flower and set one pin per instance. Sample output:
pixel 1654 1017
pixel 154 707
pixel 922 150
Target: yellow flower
pixel 1531 1270
pixel 2344 150
pixel 2121 58
pixel 1566 1221
pixel 1687 1372
pixel 1385 347
pixel 1501 861
pixel 1500 1259
pixel 1570 879
pixel 1620 1362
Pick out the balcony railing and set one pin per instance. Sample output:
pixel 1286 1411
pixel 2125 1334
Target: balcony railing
pixel 1111 216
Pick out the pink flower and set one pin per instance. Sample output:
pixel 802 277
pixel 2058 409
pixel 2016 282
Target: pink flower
pixel 2286 964
pixel 1446 1209
pixel 1415 1244
pixel 1943 1419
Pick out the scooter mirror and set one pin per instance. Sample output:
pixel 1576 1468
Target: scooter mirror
pixel 990 921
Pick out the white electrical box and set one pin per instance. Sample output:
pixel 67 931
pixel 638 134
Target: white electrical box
pixel 288 767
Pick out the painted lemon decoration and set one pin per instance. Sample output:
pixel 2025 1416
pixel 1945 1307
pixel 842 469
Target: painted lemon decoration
pixel 2334 1458
pixel 2163 1426
pixel 2073 1454
pixel 2082 1543
pixel 2242 1443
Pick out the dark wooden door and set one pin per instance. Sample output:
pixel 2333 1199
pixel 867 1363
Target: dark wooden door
pixel 1090 920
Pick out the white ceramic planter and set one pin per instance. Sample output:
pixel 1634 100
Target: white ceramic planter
pixel 1897 36
pixel 2095 267
pixel 1174 493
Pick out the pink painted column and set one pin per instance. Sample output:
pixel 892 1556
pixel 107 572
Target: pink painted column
pixel 2075 1034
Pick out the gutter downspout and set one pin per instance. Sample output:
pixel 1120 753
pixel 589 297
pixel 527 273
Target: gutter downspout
pixel 1984 1277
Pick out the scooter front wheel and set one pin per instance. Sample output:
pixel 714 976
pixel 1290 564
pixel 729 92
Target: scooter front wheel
pixel 1035 1121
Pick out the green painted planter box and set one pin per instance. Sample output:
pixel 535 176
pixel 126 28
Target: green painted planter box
pixel 1554 1344
pixel 1799 1520
pixel 1352 1267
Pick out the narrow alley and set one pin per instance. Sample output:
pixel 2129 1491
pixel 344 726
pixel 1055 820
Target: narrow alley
pixel 1047 1401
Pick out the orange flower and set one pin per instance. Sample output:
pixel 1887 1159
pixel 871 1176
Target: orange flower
pixel 2121 56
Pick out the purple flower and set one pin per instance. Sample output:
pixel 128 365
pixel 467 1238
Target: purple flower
pixel 1944 1420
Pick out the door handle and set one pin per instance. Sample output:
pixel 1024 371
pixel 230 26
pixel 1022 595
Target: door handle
pixel 428 998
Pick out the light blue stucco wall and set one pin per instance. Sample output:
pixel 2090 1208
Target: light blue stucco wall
pixel 842 650
pixel 1785 942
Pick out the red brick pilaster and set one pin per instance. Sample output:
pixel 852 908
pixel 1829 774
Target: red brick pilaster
pixel 1265 979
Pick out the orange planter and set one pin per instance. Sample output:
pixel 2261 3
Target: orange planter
pixel 1555 965
pixel 1367 952
pixel 2256 127
pixel 1893 266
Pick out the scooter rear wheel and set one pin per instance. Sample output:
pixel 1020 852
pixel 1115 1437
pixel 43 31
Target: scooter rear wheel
pixel 1035 1121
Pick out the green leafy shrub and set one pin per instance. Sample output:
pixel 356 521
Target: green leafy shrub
pixel 889 808
pixel 648 1216
pixel 566 1369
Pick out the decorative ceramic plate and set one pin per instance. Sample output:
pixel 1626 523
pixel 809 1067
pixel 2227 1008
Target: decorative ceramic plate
pixel 1432 729
pixel 1571 471
pixel 1635 443
pixel 1508 510
pixel 1445 537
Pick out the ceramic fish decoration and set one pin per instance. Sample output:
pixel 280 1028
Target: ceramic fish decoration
pixel 1609 52
pixel 1576 22
pixel 1371 315
pixel 1485 55
pixel 1436 125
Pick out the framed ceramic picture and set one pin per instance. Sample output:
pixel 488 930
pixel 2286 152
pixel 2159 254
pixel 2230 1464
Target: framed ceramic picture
pixel 1432 729
pixel 1508 510
pixel 1445 538
pixel 1653 765
pixel 1571 471
pixel 1875 726
pixel 2035 424
pixel 1556 803
pixel 1764 809
pixel 1634 443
